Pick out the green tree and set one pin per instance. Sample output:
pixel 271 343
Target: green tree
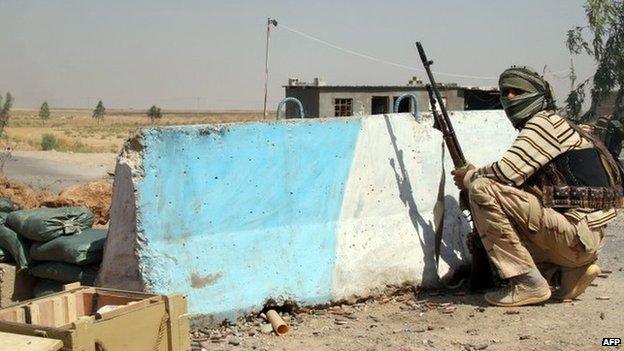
pixel 99 111
pixel 5 111
pixel 603 39
pixel 44 111
pixel 154 113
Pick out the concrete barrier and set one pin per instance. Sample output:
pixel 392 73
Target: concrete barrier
pixel 313 211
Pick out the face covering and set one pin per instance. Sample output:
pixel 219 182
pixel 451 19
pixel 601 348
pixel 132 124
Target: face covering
pixel 534 99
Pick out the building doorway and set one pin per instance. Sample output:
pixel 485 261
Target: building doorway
pixel 379 105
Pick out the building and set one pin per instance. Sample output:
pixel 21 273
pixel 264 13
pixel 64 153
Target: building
pixel 322 100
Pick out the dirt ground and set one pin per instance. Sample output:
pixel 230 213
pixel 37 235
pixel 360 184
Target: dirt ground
pixel 431 320
pixel 55 171
pixel 76 131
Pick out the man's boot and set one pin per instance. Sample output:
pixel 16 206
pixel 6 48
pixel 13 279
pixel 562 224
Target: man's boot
pixel 526 289
pixel 574 281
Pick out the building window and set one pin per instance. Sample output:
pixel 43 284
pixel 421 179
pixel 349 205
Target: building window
pixel 343 107
pixel 379 104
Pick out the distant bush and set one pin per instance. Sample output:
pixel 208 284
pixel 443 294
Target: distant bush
pixel 74 145
pixel 49 142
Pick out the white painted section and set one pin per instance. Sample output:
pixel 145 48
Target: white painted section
pixel 385 231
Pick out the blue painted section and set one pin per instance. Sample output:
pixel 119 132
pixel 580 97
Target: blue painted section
pixel 231 218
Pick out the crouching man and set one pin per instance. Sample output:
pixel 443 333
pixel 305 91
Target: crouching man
pixel 544 205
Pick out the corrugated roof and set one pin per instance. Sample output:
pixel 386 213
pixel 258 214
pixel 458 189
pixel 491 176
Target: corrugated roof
pixel 389 87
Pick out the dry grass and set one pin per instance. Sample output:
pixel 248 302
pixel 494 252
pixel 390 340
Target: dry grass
pixel 76 131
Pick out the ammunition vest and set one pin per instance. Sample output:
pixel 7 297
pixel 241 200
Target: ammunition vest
pixel 586 178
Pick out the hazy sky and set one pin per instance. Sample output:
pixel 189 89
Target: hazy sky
pixel 176 53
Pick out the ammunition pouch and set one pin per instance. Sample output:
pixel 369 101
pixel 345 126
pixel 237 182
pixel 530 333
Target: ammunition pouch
pixel 582 197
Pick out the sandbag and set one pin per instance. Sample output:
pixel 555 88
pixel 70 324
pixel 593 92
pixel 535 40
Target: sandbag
pixel 6 205
pixel 81 249
pixel 16 245
pixel 46 287
pixel 5 256
pixel 45 224
pixel 65 272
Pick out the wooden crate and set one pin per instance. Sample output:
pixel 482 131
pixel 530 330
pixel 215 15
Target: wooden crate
pixel 15 286
pixel 131 321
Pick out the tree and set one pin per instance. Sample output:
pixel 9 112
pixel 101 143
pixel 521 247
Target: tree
pixel 5 111
pixel 44 111
pixel 603 39
pixel 99 111
pixel 154 113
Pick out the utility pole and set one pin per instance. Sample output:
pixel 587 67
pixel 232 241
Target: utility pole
pixel 266 62
pixel 572 74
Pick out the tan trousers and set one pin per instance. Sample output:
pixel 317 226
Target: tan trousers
pixel 518 233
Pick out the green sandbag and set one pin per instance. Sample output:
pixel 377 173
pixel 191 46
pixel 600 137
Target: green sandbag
pixel 16 245
pixel 7 205
pixel 5 256
pixel 46 287
pixel 45 224
pixel 65 272
pixel 81 249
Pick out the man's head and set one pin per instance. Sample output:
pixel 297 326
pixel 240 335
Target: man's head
pixel 523 94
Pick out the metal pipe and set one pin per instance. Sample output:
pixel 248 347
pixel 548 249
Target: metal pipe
pixel 414 103
pixel 277 322
pixel 290 99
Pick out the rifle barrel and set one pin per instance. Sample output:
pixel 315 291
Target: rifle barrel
pixel 447 128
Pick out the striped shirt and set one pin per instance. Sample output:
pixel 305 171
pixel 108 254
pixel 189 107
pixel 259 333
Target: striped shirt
pixel 544 137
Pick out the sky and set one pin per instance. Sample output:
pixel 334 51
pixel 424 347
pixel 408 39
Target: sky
pixel 191 54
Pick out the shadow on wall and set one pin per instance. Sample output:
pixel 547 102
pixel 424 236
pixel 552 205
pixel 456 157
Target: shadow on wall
pixel 452 255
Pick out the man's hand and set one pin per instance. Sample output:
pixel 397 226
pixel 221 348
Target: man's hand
pixel 460 173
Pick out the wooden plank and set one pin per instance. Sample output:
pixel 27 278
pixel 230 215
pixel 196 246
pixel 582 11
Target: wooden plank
pixel 109 299
pixel 71 286
pixel 57 312
pixel 71 314
pixel 80 303
pixel 46 314
pixel 12 314
pixel 124 309
pixel 178 323
pixel 12 342
pixel 19 315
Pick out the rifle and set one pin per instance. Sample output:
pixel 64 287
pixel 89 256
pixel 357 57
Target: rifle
pixel 481 274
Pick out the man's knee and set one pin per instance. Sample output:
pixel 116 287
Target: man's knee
pixel 480 191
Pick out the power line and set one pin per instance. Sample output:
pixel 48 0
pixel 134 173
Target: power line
pixel 395 64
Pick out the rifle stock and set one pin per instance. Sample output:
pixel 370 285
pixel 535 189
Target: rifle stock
pixel 481 274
